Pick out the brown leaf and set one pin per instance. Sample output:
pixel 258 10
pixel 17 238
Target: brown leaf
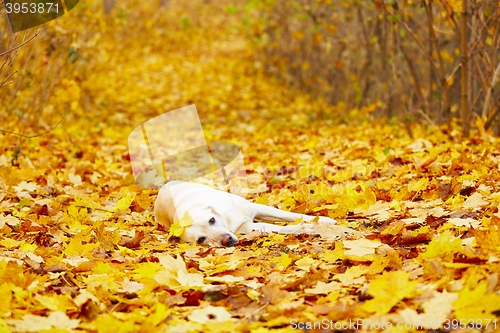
pixel 132 242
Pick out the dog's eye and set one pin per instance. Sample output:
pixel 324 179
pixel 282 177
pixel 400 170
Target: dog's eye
pixel 201 240
pixel 212 221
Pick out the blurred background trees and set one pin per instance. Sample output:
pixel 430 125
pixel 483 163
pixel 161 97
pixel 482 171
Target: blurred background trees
pixel 435 61
pixel 431 61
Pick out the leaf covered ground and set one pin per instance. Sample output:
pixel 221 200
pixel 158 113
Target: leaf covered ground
pixel 418 243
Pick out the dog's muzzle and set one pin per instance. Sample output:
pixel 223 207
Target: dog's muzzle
pixel 228 240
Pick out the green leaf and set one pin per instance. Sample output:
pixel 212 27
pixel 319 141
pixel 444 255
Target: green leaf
pixel 231 9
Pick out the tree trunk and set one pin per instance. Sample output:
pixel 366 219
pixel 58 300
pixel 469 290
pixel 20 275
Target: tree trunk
pixel 465 72
pixel 108 6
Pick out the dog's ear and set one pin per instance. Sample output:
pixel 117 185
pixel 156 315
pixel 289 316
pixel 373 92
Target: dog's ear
pixel 212 209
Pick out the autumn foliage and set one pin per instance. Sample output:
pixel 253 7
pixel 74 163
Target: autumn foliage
pixel 432 61
pixel 418 242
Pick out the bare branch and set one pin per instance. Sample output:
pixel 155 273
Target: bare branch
pixel 20 45
pixel 487 100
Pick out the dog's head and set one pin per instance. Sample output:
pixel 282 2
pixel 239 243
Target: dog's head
pixel 208 228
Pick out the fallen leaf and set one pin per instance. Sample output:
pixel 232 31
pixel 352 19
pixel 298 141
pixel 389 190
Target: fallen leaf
pixel 31 323
pixel 387 290
pixel 210 313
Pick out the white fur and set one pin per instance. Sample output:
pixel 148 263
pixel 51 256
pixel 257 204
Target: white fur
pixel 233 214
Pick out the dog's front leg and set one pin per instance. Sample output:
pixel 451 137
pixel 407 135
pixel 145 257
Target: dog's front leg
pixel 305 228
pixel 267 213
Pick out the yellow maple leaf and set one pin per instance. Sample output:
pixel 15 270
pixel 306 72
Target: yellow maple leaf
pixel 125 202
pixel 306 263
pixel 147 270
pixel 109 324
pixel 282 262
pixel 387 290
pixel 56 302
pixel 27 247
pixel 107 238
pixel 359 197
pixel 476 303
pixel 176 274
pixel 336 253
pixel 6 297
pixel 79 245
pixel 177 228
pixel 418 185
pixel 158 315
pixel 444 246
pixel 352 273
pixel 10 243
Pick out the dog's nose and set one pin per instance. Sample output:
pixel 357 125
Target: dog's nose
pixel 228 240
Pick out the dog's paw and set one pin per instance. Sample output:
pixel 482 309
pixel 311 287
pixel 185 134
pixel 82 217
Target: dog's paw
pixel 304 228
pixel 326 220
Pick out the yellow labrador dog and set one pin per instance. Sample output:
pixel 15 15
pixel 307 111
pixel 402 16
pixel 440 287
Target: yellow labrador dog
pixel 218 215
